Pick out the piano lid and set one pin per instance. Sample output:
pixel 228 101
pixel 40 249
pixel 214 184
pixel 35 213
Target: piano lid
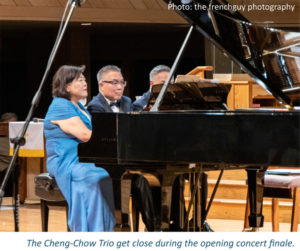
pixel 270 56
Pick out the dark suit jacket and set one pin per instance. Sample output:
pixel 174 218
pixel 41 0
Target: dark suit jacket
pixel 142 102
pixel 99 104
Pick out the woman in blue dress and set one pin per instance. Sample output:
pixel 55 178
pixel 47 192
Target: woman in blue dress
pixel 87 188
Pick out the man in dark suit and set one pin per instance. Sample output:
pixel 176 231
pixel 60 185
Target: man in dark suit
pixel 158 75
pixel 110 99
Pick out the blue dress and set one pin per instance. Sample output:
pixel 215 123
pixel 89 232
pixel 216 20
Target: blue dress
pixel 87 188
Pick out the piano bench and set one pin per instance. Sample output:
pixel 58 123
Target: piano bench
pixel 280 186
pixel 50 195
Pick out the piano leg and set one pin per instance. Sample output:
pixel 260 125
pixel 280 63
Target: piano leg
pixel 126 182
pixel 167 180
pixel 177 209
pixel 181 201
pixel 121 187
pixel 196 200
pixel 178 212
pixel 200 198
pixel 117 198
pixel 256 190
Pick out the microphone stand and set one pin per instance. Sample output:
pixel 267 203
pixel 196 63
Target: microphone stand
pixel 20 140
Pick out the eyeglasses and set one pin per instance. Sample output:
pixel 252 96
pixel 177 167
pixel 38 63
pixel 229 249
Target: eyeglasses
pixel 115 82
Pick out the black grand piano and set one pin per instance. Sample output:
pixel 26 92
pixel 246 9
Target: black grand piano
pixel 198 133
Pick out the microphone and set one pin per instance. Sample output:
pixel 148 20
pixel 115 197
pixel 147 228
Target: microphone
pixel 78 2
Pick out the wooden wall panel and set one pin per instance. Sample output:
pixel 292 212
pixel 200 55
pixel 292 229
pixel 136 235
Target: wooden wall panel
pixel 7 3
pixel 150 10
pixel 90 15
pixel 248 2
pixel 117 4
pixel 138 4
pixel 152 4
pixel 130 15
pixel 62 2
pixel 30 13
pixel 87 4
pixel 162 4
pixel 47 3
pixel 124 4
pixel 97 3
pixel 22 2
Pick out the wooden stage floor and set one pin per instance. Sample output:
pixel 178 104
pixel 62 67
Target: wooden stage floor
pixel 30 220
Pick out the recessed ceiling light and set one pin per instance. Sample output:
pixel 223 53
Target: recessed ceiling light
pixel 86 24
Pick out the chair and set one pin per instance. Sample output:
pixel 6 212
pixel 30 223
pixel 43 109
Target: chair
pixel 50 195
pixel 280 183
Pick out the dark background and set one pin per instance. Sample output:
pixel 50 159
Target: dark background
pixel 136 48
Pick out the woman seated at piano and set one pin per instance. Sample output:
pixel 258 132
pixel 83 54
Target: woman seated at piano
pixel 87 188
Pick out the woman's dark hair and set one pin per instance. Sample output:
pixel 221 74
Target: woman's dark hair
pixel 64 76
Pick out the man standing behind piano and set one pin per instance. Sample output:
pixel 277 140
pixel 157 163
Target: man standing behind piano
pixel 110 99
